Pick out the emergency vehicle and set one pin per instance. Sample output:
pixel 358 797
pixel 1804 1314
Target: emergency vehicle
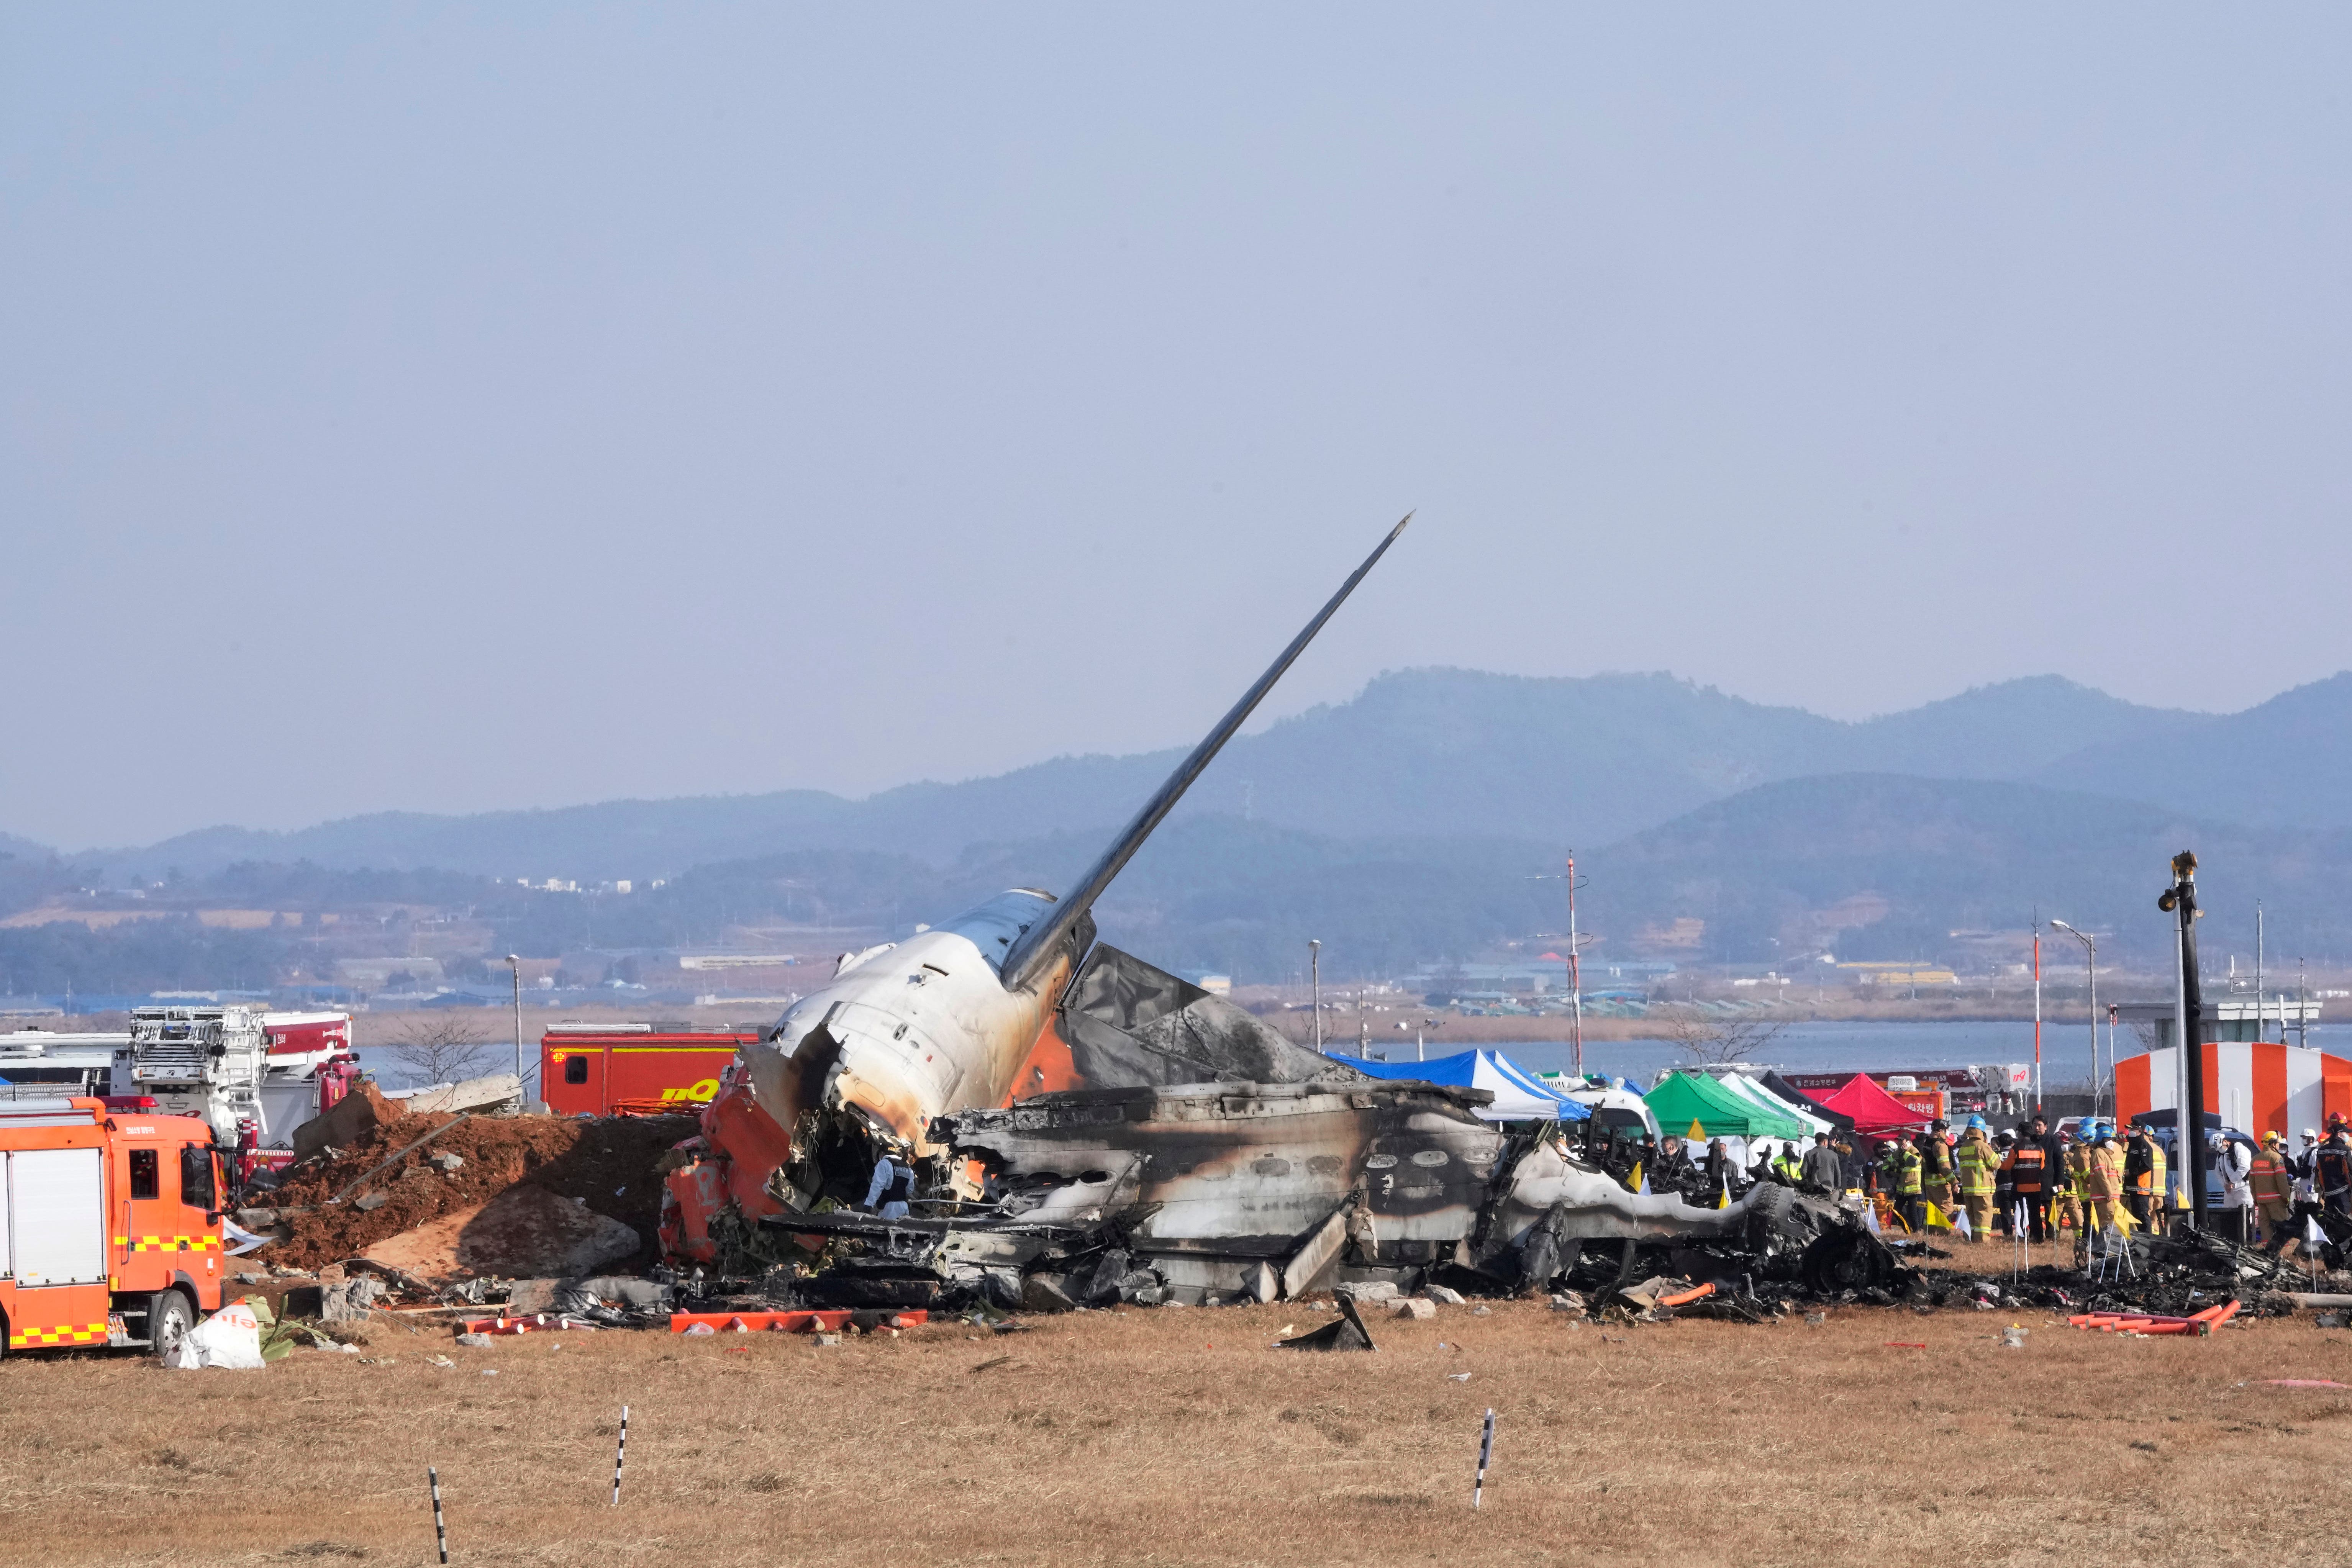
pixel 255 1076
pixel 621 1069
pixel 110 1226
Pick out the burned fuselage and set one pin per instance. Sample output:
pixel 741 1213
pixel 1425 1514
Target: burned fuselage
pixel 1230 1189
pixel 1212 1182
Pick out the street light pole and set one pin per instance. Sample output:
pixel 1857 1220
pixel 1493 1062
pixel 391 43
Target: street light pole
pixel 2188 1120
pixel 1314 972
pixel 515 963
pixel 2091 956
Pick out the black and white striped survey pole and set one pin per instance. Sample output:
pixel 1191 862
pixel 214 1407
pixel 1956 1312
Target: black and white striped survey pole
pixel 1485 1454
pixel 619 1454
pixel 440 1535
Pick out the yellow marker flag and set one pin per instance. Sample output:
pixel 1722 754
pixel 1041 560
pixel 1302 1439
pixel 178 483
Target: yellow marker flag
pixel 2125 1223
pixel 1937 1218
pixel 1723 1197
pixel 1635 1179
pixel 2181 1196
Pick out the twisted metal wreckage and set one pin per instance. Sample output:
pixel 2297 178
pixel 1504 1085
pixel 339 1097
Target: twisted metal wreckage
pixel 1088 1127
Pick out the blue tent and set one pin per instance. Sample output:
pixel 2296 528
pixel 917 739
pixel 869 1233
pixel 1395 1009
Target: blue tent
pixel 1519 1096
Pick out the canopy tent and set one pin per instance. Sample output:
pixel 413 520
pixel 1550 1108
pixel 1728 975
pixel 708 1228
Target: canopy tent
pixel 1781 1088
pixel 1807 1117
pixel 1685 1098
pixel 1519 1096
pixel 1875 1112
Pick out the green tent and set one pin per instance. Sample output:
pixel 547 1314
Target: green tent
pixel 1719 1111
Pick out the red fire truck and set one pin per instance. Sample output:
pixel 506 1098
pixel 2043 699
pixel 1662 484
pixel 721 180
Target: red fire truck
pixel 634 1069
pixel 110 1231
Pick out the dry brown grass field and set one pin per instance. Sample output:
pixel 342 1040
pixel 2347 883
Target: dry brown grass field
pixel 1179 1436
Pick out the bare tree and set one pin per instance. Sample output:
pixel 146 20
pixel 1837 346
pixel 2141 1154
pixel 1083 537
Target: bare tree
pixel 439 1048
pixel 1714 1039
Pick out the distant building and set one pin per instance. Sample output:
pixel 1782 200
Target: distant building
pixel 2224 1019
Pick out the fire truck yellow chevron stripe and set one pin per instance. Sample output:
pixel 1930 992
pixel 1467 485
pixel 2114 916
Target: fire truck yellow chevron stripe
pixel 33 1339
pixel 169 1243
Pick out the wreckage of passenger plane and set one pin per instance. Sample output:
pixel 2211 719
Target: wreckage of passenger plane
pixel 1062 1101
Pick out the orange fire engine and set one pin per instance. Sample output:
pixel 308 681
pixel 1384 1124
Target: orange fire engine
pixel 621 1069
pixel 110 1225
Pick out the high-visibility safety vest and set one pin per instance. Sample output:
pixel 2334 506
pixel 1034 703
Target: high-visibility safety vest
pixel 1900 1170
pixel 2150 1181
pixel 2267 1179
pixel 1974 1160
pixel 2106 1176
pixel 2332 1165
pixel 2025 1167
pixel 2078 1170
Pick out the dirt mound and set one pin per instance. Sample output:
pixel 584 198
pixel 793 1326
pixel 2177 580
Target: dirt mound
pixel 608 1165
pixel 524 1232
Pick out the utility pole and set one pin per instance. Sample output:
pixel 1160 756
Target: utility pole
pixel 2037 1013
pixel 2091 954
pixel 515 963
pixel 1315 969
pixel 2189 1015
pixel 1363 1029
pixel 2262 1012
pixel 1575 980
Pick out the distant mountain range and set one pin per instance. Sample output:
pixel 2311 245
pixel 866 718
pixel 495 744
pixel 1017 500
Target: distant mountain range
pixel 1427 753
pixel 1413 818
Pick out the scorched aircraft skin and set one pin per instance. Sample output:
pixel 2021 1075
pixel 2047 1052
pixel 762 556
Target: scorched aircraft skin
pixel 956 1017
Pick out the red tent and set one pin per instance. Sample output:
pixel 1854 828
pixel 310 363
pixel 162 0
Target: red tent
pixel 1875 1112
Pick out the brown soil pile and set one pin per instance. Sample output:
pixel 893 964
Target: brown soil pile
pixel 608 1165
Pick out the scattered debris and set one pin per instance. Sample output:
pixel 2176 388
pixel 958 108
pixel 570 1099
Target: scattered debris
pixel 1345 1333
pixel 230 1338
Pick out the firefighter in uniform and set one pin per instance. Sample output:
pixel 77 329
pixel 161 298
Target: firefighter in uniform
pixel 2073 1178
pixel 1976 1165
pixel 1936 1166
pixel 2331 1168
pixel 2004 1190
pixel 2270 1180
pixel 2143 1175
pixel 2028 1168
pixel 1898 1178
pixel 2103 1183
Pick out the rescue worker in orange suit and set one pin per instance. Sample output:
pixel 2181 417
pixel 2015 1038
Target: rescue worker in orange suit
pixel 2331 1168
pixel 1936 1166
pixel 2272 1182
pixel 1977 1164
pixel 2143 1175
pixel 2103 1180
pixel 2030 1175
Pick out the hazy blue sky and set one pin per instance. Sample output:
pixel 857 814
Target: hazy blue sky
pixel 528 405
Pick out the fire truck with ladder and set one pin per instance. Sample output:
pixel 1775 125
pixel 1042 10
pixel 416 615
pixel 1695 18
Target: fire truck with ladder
pixel 253 1077
pixel 110 1225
